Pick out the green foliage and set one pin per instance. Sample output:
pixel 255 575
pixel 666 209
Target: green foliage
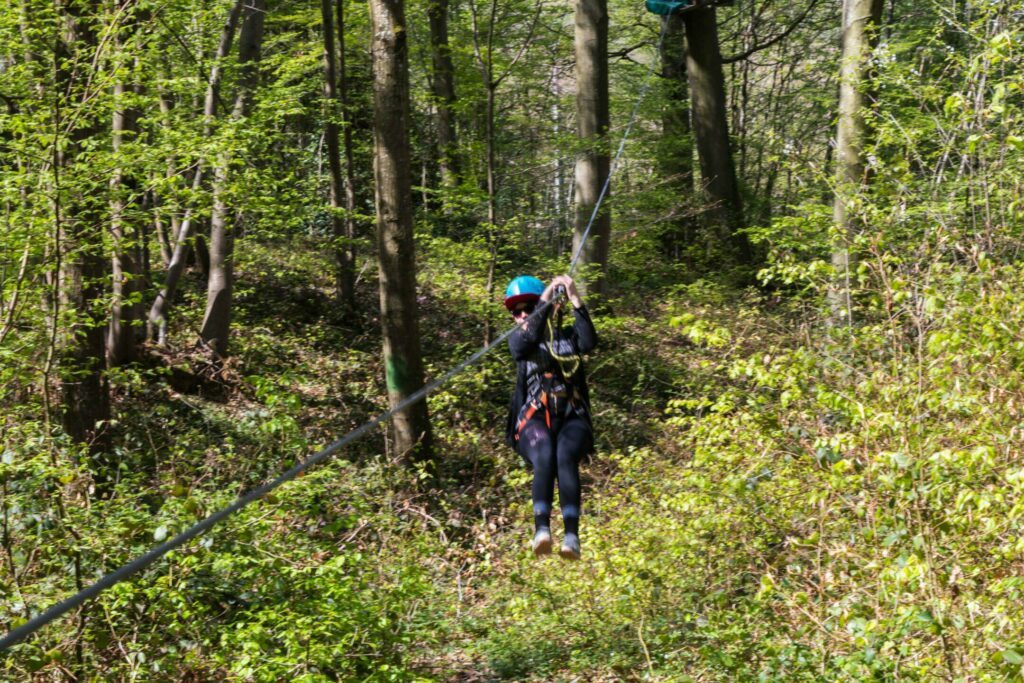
pixel 772 498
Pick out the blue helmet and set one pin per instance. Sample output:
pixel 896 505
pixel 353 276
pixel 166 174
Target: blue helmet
pixel 523 288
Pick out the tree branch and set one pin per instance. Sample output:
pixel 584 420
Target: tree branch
pixel 13 304
pixel 625 52
pixel 525 46
pixel 757 48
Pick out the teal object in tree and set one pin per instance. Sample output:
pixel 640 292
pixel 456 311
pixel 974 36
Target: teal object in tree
pixel 667 7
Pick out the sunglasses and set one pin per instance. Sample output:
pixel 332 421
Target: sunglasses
pixel 523 309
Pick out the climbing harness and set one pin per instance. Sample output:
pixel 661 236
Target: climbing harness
pixel 555 395
pixel 532 409
pixel 138 564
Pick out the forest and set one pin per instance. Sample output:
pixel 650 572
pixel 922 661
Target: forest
pixel 253 363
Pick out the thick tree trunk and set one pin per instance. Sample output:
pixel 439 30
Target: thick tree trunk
pixel 677 157
pixel 162 305
pixel 592 120
pixel 343 255
pixel 444 93
pixel 676 154
pixel 395 248
pixel 217 319
pixel 80 225
pixel 711 130
pixel 860 18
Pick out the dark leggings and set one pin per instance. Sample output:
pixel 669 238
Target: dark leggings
pixel 556 450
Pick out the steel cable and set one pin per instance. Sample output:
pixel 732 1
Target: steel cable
pixel 63 607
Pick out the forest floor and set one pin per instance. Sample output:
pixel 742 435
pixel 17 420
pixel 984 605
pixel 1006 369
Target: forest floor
pixel 491 610
pixel 765 503
pixel 488 609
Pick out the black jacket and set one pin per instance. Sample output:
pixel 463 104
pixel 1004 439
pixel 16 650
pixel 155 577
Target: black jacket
pixel 527 345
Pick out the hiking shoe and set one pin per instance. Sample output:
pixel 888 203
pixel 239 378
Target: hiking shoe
pixel 542 542
pixel 570 547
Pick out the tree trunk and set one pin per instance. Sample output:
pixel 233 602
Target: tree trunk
pixel 125 266
pixel 492 207
pixel 160 228
pixel 560 222
pixel 343 256
pixel 444 93
pixel 711 130
pixel 80 226
pixel 860 18
pixel 217 319
pixel 395 247
pixel 592 127
pixel 350 164
pixel 162 305
pixel 676 154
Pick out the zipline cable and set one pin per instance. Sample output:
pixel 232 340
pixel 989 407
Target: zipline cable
pixel 154 554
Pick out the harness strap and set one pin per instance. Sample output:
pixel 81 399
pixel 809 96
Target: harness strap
pixel 531 410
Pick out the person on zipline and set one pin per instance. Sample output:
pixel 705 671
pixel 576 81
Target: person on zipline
pixel 549 414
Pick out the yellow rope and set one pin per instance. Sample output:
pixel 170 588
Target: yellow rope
pixel 561 360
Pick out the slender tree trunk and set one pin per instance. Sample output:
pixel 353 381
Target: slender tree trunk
pixel 492 208
pixel 350 164
pixel 860 19
pixel 677 141
pixel 344 266
pixel 162 305
pixel 161 229
pixel 124 262
pixel 559 221
pixel 711 130
pixel 395 247
pixel 26 18
pixel 158 312
pixel 120 348
pixel 485 62
pixel 444 93
pixel 143 263
pixel 217 319
pixel 80 226
pixel 592 120
pixel 200 251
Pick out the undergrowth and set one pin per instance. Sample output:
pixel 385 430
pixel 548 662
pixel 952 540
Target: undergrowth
pixel 771 499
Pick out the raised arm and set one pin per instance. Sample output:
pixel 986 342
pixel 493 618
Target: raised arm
pixel 583 331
